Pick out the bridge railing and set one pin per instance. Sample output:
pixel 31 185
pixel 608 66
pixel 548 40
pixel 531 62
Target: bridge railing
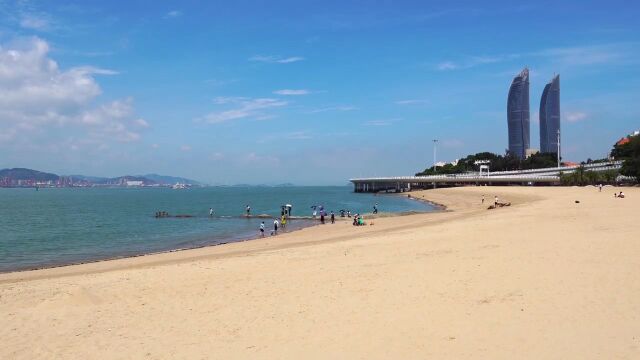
pixel 533 174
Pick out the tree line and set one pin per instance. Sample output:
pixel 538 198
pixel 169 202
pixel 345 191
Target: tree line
pixel 628 151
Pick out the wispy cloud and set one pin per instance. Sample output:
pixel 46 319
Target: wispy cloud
pixel 412 102
pixel 294 135
pixel 575 116
pixel 185 148
pixel 561 56
pixel 37 22
pixel 584 55
pixel 276 59
pixel 334 108
pixel 173 14
pixel 220 82
pixel 474 61
pixel 242 107
pixel 447 65
pixel 292 92
pixel 217 156
pixel 382 122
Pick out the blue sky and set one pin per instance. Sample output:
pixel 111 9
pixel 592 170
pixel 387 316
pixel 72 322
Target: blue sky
pixel 309 92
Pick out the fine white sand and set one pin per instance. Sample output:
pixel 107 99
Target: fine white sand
pixel 545 278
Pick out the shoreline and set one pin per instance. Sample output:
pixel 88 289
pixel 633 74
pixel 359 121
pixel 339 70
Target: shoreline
pixel 240 239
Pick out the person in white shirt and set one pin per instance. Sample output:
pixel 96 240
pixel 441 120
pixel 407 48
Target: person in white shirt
pixel 275 226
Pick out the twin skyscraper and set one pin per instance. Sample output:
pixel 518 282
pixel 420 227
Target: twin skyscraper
pixel 518 116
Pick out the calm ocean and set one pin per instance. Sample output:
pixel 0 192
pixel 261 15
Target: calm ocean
pixel 62 226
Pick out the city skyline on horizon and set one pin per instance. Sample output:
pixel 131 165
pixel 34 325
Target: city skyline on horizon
pixel 245 93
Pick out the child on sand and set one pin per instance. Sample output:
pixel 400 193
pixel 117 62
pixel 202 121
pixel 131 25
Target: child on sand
pixel 262 229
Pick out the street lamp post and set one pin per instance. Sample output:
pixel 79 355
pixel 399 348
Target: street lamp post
pixel 435 144
pixel 558 147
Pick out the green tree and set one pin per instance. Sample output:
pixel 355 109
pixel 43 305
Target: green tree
pixel 630 153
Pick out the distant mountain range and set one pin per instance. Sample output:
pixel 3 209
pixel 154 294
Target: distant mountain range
pixel 29 177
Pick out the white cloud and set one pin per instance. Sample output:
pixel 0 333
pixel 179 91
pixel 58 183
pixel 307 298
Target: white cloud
pixel 268 160
pixel 35 22
pixel 142 123
pixel 576 116
pixel 275 59
pixel 412 102
pixel 173 14
pixel 474 61
pixel 185 148
pixel 561 56
pixel 242 108
pixel 294 135
pixel 292 92
pixel 447 65
pixel 217 156
pixel 334 108
pixel 383 122
pixel 41 104
pixel 584 55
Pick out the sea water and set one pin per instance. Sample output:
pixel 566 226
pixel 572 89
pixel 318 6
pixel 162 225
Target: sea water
pixel 54 226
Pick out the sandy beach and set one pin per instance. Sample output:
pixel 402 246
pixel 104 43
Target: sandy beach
pixel 545 278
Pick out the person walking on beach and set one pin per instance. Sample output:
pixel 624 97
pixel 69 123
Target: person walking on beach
pixel 483 198
pixel 375 208
pixel 600 188
pixel 322 217
pixel 333 218
pixel 248 209
pixel 262 229
pixel 284 221
pixel 275 226
pixel 495 202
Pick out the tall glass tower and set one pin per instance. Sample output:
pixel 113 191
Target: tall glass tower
pixel 518 114
pixel 550 116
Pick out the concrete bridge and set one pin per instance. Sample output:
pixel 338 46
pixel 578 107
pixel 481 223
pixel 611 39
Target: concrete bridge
pixel 546 176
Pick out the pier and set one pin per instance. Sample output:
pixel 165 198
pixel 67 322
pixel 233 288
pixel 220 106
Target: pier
pixel 546 176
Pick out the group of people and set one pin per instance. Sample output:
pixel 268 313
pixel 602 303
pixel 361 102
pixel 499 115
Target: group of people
pixel 276 225
pixel 621 195
pixel 160 214
pixel 495 200
pixel 358 220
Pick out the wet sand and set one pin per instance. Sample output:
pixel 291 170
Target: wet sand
pixel 543 278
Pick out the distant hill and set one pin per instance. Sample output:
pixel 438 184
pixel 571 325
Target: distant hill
pixel 16 175
pixel 170 180
pixel 27 174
